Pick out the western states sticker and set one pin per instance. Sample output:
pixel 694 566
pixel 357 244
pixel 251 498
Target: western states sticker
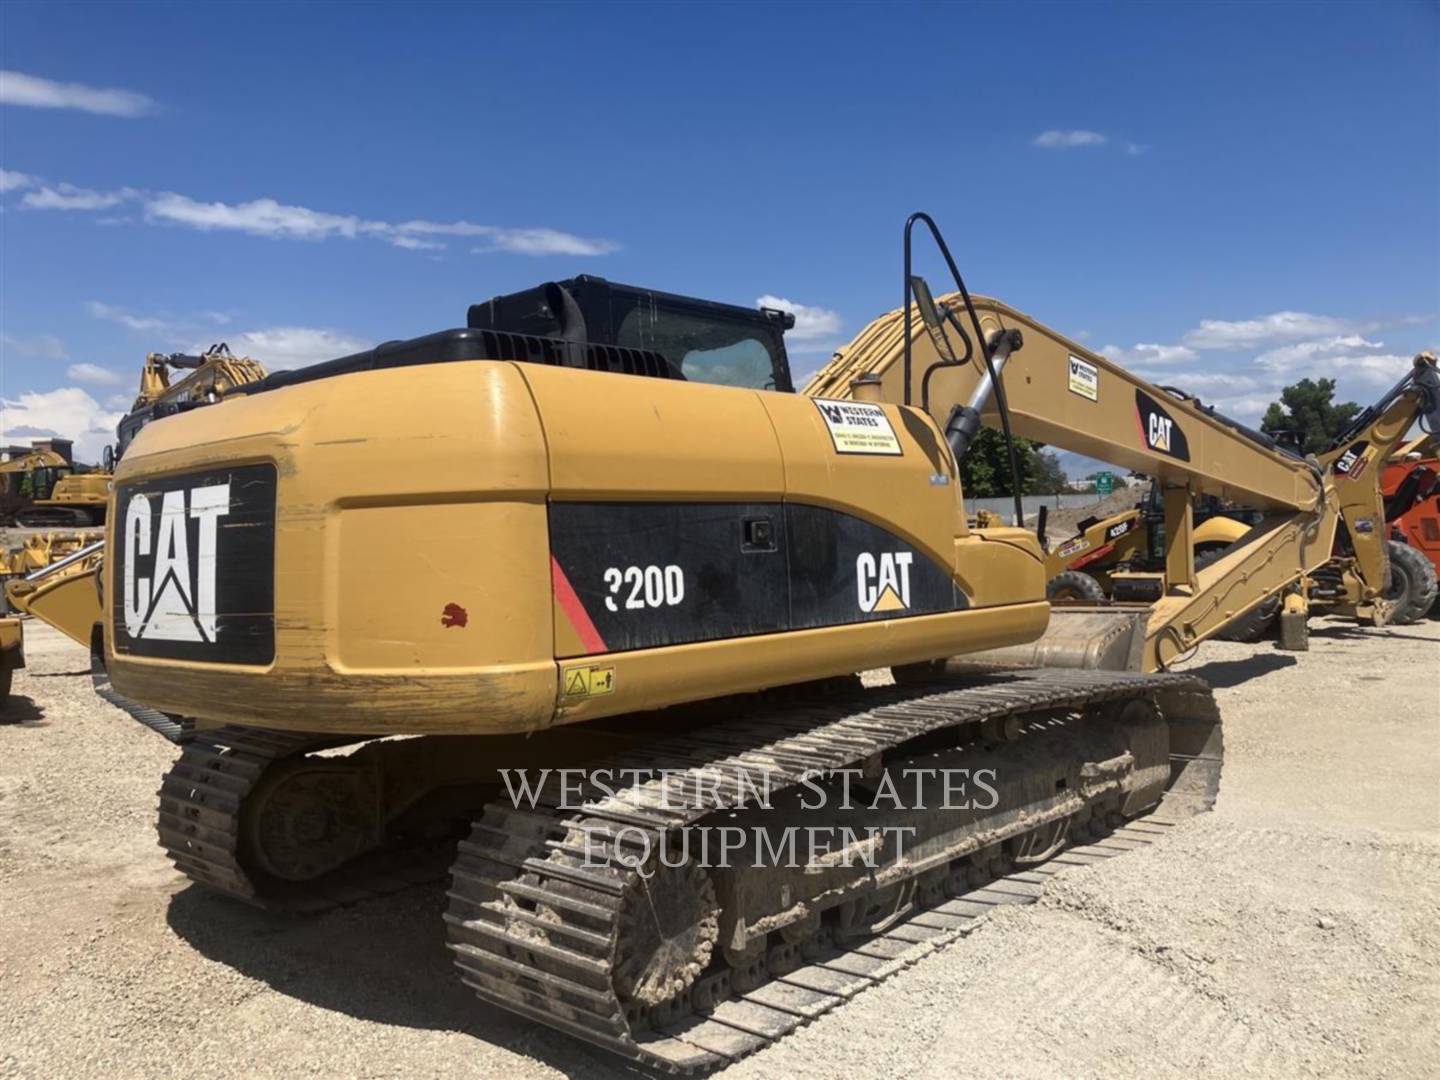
pixel 858 427
pixel 1084 379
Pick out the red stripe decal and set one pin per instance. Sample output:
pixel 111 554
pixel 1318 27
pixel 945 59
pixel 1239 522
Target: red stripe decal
pixel 1086 560
pixel 575 610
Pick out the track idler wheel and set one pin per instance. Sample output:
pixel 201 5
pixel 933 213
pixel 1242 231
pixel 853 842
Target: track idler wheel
pixel 308 816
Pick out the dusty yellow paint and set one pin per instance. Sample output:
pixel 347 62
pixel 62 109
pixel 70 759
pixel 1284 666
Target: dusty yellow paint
pixel 445 471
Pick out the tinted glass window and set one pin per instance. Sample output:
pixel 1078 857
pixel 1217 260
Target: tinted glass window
pixel 706 350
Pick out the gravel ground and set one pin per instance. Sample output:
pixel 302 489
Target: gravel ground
pixel 1294 931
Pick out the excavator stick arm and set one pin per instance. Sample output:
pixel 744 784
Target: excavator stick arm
pixel 1062 394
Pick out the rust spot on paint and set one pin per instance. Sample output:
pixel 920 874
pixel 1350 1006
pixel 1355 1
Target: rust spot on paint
pixel 454 615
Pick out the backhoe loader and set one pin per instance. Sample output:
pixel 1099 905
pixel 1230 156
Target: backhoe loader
pixel 652 573
pixel 1079 567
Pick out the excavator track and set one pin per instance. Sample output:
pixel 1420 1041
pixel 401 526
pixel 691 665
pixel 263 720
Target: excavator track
pixel 56 517
pixel 201 823
pixel 538 932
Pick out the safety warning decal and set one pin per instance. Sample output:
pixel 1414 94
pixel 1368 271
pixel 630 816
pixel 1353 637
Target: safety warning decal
pixel 1070 547
pixel 591 681
pixel 858 427
pixel 1084 379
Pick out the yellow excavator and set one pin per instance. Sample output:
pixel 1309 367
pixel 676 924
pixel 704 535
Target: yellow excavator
pixel 44 488
pixel 209 377
pixel 652 573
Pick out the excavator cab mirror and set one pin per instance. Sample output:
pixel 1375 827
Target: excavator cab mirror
pixel 930 314
pixel 107 458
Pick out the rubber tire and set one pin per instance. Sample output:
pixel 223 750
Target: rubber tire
pixel 1256 624
pixel 1412 583
pixel 1077 584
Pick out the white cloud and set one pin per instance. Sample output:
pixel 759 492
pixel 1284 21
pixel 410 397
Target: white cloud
pixel 538 241
pixel 1202 383
pixel 259 217
pixel 546 242
pixel 266 217
pixel 68 412
pixel 1371 370
pixel 1133 149
pixel 1146 354
pixel 120 402
pixel 70 197
pixel 414 243
pixel 810 322
pixel 1279 326
pixel 282 347
pixel 17 88
pixel 1055 139
pixel 41 347
pixel 10 180
pixel 94 373
pixel 140 324
pixel 1303 354
pixel 271 218
pixel 1247 408
pixel 1377 370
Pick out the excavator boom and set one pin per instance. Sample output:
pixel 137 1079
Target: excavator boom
pixel 1062 394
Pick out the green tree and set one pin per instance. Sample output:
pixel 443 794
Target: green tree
pixel 985 468
pixel 1308 407
pixel 1049 476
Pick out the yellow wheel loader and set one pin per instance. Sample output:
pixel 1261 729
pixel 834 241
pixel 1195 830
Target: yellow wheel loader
pixel 628 661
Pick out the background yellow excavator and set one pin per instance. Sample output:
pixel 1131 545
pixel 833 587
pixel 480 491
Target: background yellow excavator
pixel 646 552
pixel 53 576
pixel 44 488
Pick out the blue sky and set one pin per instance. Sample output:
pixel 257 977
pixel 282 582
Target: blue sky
pixel 1225 197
